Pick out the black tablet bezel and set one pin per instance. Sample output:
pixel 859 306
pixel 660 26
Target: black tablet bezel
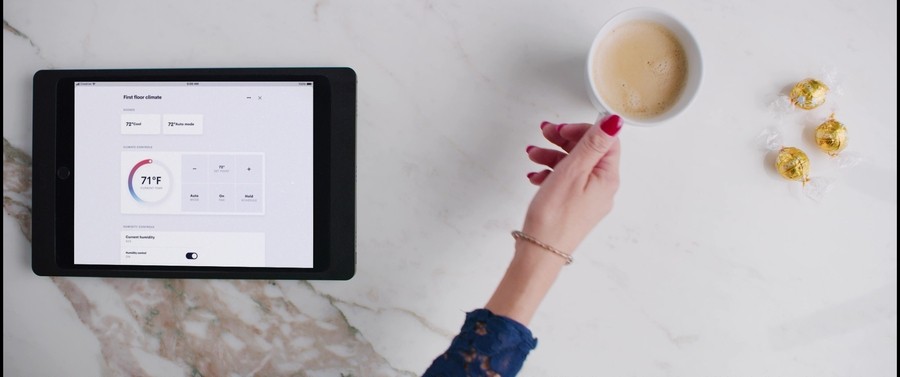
pixel 334 161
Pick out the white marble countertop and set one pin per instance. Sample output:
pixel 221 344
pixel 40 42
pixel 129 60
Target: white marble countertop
pixel 709 265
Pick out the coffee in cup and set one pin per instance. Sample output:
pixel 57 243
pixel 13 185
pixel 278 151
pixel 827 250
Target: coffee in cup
pixel 643 65
pixel 640 69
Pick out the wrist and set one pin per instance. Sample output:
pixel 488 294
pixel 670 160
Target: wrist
pixel 533 257
pixel 562 236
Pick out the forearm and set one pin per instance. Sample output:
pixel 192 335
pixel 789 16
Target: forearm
pixel 574 196
pixel 528 278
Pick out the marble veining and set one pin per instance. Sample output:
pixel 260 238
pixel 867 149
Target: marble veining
pixel 710 264
pixel 9 28
pixel 17 186
pixel 207 328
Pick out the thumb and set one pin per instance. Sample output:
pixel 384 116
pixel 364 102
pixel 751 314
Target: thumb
pixel 595 143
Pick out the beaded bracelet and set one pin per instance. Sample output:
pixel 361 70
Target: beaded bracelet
pixel 521 235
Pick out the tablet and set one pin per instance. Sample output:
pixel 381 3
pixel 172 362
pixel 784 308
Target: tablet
pixel 195 173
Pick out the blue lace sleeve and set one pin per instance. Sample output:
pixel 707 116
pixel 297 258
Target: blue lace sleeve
pixel 487 345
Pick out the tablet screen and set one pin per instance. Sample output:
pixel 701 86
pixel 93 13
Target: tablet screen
pixel 205 173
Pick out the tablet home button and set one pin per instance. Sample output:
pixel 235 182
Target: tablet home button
pixel 63 172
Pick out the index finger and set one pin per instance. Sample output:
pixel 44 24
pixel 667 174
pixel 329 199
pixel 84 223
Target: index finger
pixel 564 135
pixel 573 132
pixel 551 133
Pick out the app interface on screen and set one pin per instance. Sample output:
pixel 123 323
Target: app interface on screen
pixel 194 173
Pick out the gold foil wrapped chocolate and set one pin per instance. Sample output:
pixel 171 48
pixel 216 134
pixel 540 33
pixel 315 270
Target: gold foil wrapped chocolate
pixel 808 94
pixel 831 136
pixel 792 164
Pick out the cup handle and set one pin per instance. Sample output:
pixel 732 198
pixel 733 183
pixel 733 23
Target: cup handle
pixel 602 115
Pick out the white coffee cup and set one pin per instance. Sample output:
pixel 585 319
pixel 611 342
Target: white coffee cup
pixel 692 54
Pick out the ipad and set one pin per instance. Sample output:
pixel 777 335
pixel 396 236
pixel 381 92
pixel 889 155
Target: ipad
pixel 195 173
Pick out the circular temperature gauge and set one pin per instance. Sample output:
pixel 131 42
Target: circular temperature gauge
pixel 149 182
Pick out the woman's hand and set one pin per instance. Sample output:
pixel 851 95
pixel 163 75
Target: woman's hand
pixel 579 191
pixel 572 199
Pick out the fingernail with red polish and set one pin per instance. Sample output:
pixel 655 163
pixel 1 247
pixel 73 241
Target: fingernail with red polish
pixel 560 127
pixel 529 175
pixel 545 124
pixel 611 125
pixel 528 148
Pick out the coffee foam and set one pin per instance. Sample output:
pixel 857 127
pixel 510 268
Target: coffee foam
pixel 640 69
